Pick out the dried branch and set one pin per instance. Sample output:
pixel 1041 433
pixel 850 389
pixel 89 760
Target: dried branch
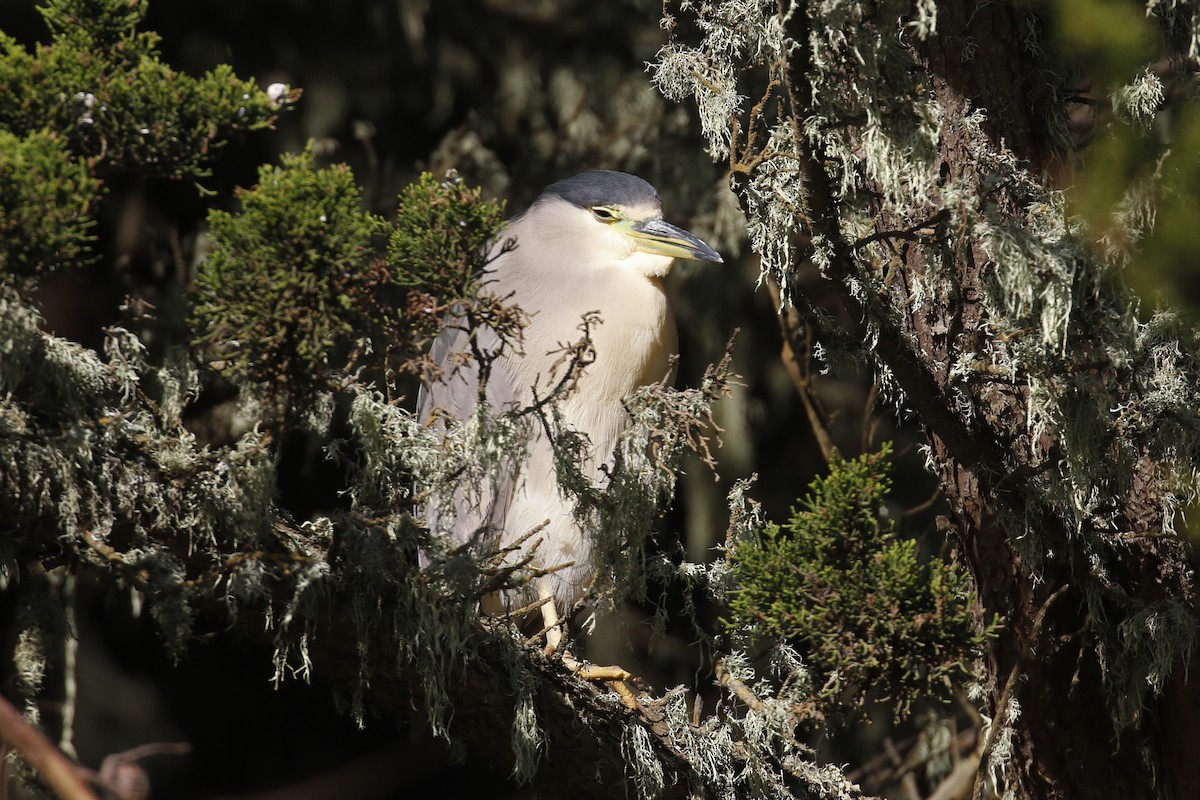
pixel 796 354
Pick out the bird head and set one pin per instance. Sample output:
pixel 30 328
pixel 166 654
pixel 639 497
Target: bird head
pixel 615 217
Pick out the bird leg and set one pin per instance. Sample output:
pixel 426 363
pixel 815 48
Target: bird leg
pixel 616 677
pixel 550 620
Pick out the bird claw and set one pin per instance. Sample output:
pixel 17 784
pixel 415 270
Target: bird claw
pixel 628 698
pixel 617 678
pixel 595 672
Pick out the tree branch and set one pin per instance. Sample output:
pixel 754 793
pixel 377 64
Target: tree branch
pixel 68 780
pixel 197 531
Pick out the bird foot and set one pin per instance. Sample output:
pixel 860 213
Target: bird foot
pixel 617 678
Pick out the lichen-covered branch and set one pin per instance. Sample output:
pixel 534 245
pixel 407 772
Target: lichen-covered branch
pixel 108 481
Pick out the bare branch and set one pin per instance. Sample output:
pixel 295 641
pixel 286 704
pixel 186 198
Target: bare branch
pixel 69 780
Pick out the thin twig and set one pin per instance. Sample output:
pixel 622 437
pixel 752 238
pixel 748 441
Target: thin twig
pixel 740 690
pixel 528 608
pixel 796 355
pixel 1010 687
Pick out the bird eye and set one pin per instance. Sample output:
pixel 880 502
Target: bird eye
pixel 604 214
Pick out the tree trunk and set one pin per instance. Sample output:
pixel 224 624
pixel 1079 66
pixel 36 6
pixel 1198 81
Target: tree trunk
pixel 1066 744
pixel 1089 694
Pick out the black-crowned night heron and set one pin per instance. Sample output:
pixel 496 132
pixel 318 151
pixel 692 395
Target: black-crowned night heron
pixel 596 242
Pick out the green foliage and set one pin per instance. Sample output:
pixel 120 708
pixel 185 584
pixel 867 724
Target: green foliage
pixel 442 232
pixel 293 282
pixel 836 582
pixel 1169 259
pixel 439 248
pixel 1166 193
pixel 101 85
pixel 93 102
pixel 45 201
pixel 297 288
pixel 1109 39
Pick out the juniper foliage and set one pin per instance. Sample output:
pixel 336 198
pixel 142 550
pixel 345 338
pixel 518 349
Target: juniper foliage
pixel 100 84
pixel 46 201
pixel 868 617
pixel 94 101
pixel 291 283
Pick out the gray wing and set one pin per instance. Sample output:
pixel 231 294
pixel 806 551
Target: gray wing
pixel 456 393
pixel 446 342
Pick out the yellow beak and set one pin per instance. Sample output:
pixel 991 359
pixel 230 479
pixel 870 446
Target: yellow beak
pixel 662 238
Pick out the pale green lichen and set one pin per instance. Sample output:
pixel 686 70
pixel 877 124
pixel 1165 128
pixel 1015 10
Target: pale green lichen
pixel 528 738
pixel 77 479
pixel 1140 100
pixel 433 618
pixel 1180 17
pixel 30 661
pixel 1001 736
pixel 641 762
